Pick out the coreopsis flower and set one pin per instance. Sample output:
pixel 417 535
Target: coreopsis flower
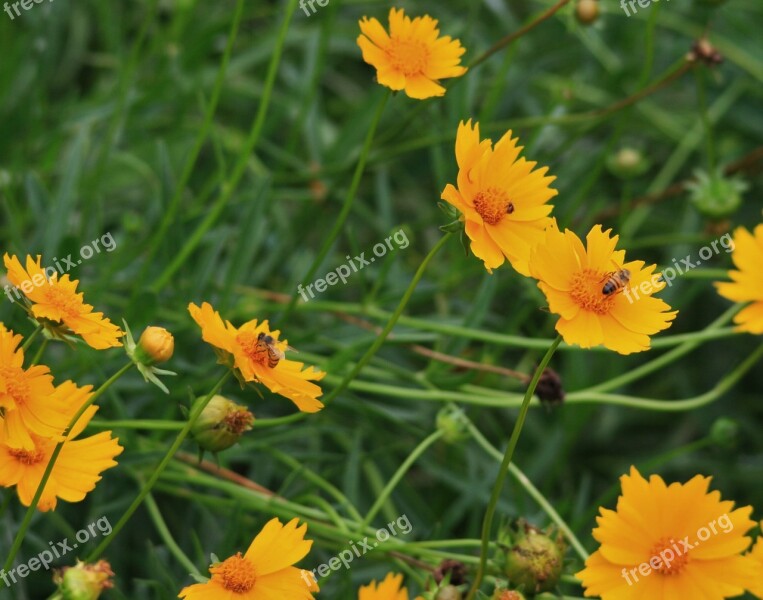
pixel 501 196
pixel 600 298
pixel 389 589
pixel 756 558
pixel 56 302
pixel 83 581
pixel 412 56
pixel 747 284
pixel 666 542
pixel 258 355
pixel 26 397
pixel 80 462
pixel 265 571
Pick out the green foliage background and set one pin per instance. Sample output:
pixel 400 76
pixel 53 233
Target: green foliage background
pixel 100 104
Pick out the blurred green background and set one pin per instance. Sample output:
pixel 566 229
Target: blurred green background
pixel 100 107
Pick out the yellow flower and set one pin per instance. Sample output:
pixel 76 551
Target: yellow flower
pixel 258 355
pixel 79 464
pixel 581 286
pixel 26 398
pixel 265 572
pixel 57 300
pixel 668 542
pixel 157 345
pixel 747 282
pixel 389 589
pixel 503 200
pixel 412 57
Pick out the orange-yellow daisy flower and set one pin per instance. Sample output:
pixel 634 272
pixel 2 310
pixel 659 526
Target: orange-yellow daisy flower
pixel 258 355
pixel 389 589
pixel 503 200
pixel 600 298
pixel 265 572
pixel 666 542
pixel 747 282
pixel 26 398
pixel 79 465
pixel 412 57
pixel 56 299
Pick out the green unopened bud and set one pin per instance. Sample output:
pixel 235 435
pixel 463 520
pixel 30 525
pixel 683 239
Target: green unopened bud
pixel 725 432
pixel 451 422
pixel 627 163
pixel 155 346
pixel 449 592
pixel 83 581
pixel 587 11
pixel 221 424
pixel 504 594
pixel 716 196
pixel 534 559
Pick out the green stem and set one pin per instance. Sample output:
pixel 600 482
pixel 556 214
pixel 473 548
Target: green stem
pixel 346 207
pixel 169 216
pixel 399 474
pixel 30 339
pixel 706 124
pixel 240 168
pixel 496 494
pixel 195 414
pixel 534 493
pixel 40 350
pixel 390 324
pixel 164 532
pixel 145 424
pixel 52 463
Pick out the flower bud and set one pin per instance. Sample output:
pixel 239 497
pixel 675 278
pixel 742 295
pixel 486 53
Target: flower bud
pixel 716 196
pixel 221 424
pixel 454 570
pixel 449 592
pixel 451 422
pixel 587 11
pixel 725 433
pixel 549 388
pixel 155 346
pixel 83 581
pixel 534 559
pixel 504 594
pixel 627 163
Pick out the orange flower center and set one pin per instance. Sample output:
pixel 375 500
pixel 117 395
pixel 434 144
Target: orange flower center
pixel 679 561
pixel 493 204
pixel 238 421
pixel 16 385
pixel 67 303
pixel 410 57
pixel 587 292
pixel 252 347
pixel 236 574
pixel 27 457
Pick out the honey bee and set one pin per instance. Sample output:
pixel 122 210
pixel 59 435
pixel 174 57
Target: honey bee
pixel 615 281
pixel 267 345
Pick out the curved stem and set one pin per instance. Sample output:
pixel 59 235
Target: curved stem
pixel 496 493
pixel 52 463
pixel 164 533
pixel 240 168
pixel 390 323
pixel 195 414
pixel 346 207
pixel 402 470
pixel 30 339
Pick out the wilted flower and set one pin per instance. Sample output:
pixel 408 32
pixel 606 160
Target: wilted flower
pixel 534 558
pixel 83 581
pixel 221 424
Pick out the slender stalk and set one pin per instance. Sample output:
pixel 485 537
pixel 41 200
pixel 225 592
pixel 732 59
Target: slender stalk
pixel 240 168
pixel 52 463
pixel 706 122
pixel 40 351
pixel 487 524
pixel 144 424
pixel 390 323
pixel 346 206
pixel 164 532
pixel 399 474
pixel 195 414
pixel 30 339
